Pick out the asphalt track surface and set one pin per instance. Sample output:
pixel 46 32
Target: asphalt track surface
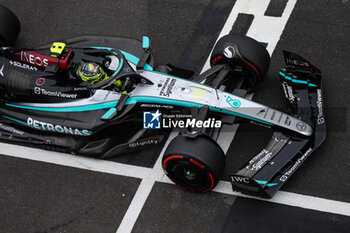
pixel 45 197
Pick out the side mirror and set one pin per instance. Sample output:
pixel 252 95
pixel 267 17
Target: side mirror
pixel 146 43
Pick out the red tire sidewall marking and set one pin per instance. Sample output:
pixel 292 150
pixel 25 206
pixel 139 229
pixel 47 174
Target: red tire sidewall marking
pixel 195 163
pixel 171 157
pixel 212 183
pixel 254 68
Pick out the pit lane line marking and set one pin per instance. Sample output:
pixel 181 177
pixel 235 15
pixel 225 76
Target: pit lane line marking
pixel 143 191
pixel 156 174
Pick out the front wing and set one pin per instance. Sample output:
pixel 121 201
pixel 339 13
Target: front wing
pixel 266 172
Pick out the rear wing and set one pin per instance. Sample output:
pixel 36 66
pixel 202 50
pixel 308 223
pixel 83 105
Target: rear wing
pixel 266 172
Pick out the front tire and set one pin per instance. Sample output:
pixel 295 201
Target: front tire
pixel 194 164
pixel 246 56
pixel 9 26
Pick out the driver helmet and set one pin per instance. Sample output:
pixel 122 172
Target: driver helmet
pixel 91 72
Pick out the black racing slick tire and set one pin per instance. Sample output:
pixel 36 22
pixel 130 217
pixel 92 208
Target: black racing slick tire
pixel 242 53
pixel 194 164
pixel 9 26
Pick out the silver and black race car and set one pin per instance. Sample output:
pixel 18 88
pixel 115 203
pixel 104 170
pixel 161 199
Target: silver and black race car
pixel 45 103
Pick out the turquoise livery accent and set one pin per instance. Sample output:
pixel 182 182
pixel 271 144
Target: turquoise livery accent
pixel 134 100
pixel 145 42
pixel 109 113
pixel 265 183
pixel 131 58
pixel 234 103
pixel 297 81
pixel 91 107
pixel 261 181
pixel 15 120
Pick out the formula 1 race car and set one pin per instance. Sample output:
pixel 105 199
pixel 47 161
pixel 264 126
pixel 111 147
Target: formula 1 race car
pixel 103 96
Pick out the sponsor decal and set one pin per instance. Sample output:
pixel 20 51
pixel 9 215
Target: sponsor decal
pixel 229 52
pixel 240 179
pixel 288 92
pixel 11 129
pixel 199 93
pixel 151 120
pixel 42 91
pixel 259 160
pixel 40 81
pixel 295 166
pixel 156 106
pixel 33 59
pixel 167 87
pixel 143 143
pixel 301 126
pixel 319 102
pixel 23 66
pixel 235 103
pixel 2 71
pixel 296 62
pixel 57 128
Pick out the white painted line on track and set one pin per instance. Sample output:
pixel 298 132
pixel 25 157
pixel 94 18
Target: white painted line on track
pixel 156 174
pixel 144 191
pixel 293 199
pixel 68 160
pixel 136 205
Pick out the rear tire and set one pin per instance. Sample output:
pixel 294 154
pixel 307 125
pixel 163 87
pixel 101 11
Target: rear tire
pixel 244 55
pixel 9 26
pixel 194 164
